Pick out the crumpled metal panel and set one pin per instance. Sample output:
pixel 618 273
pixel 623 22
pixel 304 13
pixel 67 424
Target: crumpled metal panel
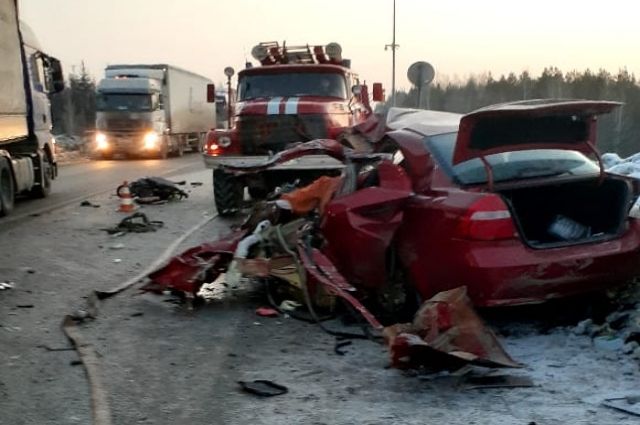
pixel 446 333
pixel 188 271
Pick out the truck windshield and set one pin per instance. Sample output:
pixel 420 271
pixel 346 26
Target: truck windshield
pixel 124 102
pixel 292 84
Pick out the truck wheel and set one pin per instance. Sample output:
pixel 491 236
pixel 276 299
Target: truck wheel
pixel 227 193
pixel 182 141
pixel 7 194
pixel 164 149
pixel 43 189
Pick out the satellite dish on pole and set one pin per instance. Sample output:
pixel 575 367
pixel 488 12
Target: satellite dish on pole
pixel 421 73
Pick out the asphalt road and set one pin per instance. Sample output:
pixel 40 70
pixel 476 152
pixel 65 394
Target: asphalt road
pixel 162 363
pixel 84 179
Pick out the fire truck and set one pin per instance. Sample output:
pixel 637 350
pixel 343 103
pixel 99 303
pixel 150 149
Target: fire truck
pixel 296 94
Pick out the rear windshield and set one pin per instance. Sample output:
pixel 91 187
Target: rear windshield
pixel 292 84
pixel 509 166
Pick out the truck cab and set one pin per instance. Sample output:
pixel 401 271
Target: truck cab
pixel 27 155
pixel 297 94
pixel 151 110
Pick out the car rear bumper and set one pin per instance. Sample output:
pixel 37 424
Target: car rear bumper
pixel 509 273
pixel 310 162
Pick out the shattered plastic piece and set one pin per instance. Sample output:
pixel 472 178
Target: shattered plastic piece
pixel 117 246
pixel 289 305
pixel 267 312
pixel 446 333
pixel 263 388
pixel 117 260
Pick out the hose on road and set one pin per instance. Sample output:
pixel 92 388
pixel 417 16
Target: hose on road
pixel 101 412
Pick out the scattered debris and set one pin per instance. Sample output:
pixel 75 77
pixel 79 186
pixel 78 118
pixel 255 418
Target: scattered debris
pixel 137 314
pixel 135 223
pixel 340 344
pixel 117 260
pixel 263 388
pixel 446 333
pixel 289 305
pixel 7 285
pixel 117 246
pixel 89 204
pixel 629 404
pixel 472 382
pixel 25 306
pixel 196 183
pixel 151 190
pixel 267 312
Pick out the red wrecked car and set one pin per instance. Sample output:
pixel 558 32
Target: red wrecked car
pixel 504 200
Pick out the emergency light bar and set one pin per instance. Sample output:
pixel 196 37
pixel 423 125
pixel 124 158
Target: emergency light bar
pixel 271 53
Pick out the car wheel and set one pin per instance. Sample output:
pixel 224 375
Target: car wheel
pixel 43 189
pixel 227 193
pixel 398 300
pixel 7 194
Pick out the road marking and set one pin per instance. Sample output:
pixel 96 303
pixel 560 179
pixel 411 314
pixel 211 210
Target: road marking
pixel 291 107
pixel 273 107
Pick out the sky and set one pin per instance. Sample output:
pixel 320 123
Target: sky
pixel 458 38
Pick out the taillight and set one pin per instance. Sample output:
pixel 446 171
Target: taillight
pixel 487 219
pixel 212 147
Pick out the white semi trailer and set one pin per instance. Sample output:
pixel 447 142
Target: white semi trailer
pixel 27 77
pixel 151 110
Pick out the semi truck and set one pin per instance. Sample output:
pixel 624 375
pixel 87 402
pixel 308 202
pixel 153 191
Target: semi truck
pixel 296 94
pixel 28 76
pixel 151 111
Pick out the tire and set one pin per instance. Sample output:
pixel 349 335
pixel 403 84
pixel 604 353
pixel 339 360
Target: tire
pixel 163 153
pixel 43 189
pixel 7 191
pixel 227 193
pixel 180 148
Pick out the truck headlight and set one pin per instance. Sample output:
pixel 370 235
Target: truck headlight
pixel 101 141
pixel 151 140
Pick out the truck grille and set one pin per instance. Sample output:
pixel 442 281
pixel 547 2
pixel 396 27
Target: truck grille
pixel 116 124
pixel 260 134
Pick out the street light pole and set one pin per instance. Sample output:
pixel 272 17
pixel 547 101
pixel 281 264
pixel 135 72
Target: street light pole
pixel 393 47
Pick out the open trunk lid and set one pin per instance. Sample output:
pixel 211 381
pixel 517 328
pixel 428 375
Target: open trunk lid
pixel 534 124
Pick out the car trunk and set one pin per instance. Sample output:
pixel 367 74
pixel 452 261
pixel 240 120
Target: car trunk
pixel 570 213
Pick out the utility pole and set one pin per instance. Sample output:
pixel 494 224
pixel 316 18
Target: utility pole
pixel 393 46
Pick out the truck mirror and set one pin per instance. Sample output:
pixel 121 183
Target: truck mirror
pixel 356 90
pixel 378 92
pixel 57 77
pixel 211 93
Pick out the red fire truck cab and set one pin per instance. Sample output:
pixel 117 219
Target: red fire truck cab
pixel 296 94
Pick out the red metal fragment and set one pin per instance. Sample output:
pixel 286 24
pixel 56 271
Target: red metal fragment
pixel 188 271
pixel 446 333
pixel 322 271
pixel 267 312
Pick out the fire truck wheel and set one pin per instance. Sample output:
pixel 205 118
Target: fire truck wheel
pixel 6 188
pixel 227 193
